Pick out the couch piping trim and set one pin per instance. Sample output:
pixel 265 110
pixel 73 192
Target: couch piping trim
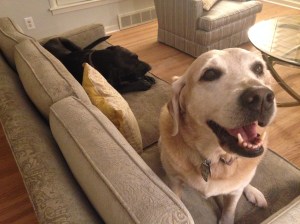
pixel 37 78
pixel 23 57
pixel 8 36
pixel 55 66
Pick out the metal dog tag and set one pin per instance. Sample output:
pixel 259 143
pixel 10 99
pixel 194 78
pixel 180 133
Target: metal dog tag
pixel 205 169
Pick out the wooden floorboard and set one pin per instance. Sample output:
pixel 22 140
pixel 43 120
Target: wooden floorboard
pixel 166 62
pixel 15 206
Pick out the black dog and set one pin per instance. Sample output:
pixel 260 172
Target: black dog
pixel 121 68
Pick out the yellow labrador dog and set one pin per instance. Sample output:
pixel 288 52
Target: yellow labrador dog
pixel 209 131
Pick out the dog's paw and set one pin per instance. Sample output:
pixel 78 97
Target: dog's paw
pixel 150 79
pixel 226 220
pixel 255 196
pixel 145 85
pixel 174 78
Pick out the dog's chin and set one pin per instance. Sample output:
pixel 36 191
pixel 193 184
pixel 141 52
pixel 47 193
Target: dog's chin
pixel 244 141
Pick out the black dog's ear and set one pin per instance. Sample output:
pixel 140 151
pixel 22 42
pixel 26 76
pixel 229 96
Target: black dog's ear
pixel 96 42
pixel 69 44
pixel 113 47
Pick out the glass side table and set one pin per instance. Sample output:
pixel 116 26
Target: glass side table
pixel 279 41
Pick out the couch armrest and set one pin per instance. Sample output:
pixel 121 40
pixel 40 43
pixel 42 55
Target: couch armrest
pixel 179 17
pixel 121 187
pixel 288 214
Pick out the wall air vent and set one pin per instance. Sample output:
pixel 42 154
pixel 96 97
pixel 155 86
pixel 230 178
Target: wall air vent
pixel 136 18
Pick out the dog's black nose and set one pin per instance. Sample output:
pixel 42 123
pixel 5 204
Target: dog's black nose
pixel 258 99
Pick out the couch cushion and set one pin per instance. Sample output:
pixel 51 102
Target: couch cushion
pixel 112 105
pixel 44 78
pixel 225 12
pixel 277 179
pixel 146 108
pixel 10 35
pixel 54 193
pixel 118 183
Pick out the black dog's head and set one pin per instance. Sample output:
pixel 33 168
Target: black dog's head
pixel 124 64
pixel 121 68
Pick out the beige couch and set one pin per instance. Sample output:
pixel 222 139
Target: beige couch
pixel 77 167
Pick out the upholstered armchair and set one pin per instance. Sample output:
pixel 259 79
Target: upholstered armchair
pixel 187 26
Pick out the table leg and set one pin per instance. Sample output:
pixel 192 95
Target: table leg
pixel 270 62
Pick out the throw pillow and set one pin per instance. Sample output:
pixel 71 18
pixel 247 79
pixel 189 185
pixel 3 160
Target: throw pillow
pixel 113 105
pixel 207 4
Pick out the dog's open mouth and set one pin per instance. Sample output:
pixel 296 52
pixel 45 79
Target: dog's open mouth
pixel 244 141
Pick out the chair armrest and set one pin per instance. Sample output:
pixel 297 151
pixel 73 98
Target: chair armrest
pixel 118 183
pixel 179 17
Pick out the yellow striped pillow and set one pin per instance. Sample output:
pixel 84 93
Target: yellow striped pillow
pixel 112 105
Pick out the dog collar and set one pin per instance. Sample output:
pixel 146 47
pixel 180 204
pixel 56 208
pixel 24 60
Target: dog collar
pixel 205 169
pixel 90 61
pixel 226 161
pixel 205 166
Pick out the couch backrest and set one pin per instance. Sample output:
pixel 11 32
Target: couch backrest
pixel 44 77
pixel 10 35
pixel 82 36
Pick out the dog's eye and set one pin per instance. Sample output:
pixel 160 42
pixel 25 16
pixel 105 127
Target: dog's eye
pixel 211 75
pixel 258 68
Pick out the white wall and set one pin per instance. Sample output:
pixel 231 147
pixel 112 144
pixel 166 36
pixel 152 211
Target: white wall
pixel 48 24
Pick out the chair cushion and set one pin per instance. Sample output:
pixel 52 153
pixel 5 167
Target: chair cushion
pixel 112 105
pixel 10 35
pixel 221 33
pixel 44 77
pixel 207 4
pixel 226 12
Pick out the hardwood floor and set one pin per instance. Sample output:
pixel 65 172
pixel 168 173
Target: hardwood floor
pixel 15 206
pixel 166 62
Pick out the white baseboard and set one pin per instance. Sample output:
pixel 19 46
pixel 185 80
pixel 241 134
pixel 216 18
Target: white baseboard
pixel 288 3
pixel 111 29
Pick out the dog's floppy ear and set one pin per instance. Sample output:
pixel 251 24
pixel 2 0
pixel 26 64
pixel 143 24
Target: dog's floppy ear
pixel 174 104
pixel 96 42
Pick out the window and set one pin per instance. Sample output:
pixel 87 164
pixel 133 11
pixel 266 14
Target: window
pixel 62 6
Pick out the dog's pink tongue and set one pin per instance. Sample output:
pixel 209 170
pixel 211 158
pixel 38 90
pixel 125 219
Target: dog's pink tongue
pixel 248 132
